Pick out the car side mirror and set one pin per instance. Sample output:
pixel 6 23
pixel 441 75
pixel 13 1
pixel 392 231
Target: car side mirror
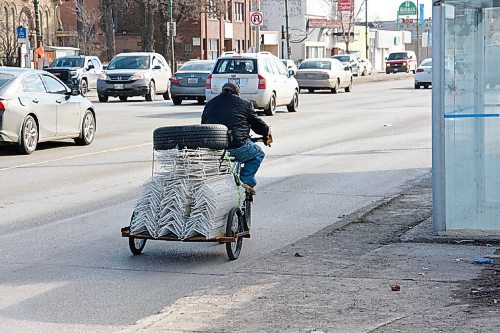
pixel 291 72
pixel 157 67
pixel 104 67
pixel 91 67
pixel 73 92
pixel 347 68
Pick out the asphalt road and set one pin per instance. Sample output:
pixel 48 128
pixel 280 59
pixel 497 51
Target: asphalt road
pixel 65 267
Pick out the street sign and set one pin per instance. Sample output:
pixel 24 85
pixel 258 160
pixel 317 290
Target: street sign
pixel 345 5
pixel 422 16
pixel 21 32
pixel 407 8
pixel 256 18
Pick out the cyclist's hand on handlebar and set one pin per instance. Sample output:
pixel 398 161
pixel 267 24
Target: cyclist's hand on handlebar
pixel 269 138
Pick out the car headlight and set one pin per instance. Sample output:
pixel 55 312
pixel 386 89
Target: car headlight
pixel 103 77
pixel 137 76
pixel 73 73
pixel 404 63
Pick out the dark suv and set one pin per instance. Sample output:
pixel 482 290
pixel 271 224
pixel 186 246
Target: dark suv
pixel 78 72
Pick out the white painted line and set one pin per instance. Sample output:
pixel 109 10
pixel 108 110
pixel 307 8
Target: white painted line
pixel 74 156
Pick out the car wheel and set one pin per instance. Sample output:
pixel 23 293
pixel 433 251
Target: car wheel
pixel 166 95
pixel 364 72
pixel 84 87
pixel 150 96
pixel 29 135
pixel 426 86
pixel 123 98
pixel 103 98
pixel 201 101
pixel 311 91
pixel 88 129
pixel 294 104
pixel 270 109
pixel 191 136
pixel 177 101
pixel 349 87
pixel 417 86
pixel 335 89
pixel 414 71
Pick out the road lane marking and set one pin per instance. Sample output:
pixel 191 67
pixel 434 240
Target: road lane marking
pixel 74 156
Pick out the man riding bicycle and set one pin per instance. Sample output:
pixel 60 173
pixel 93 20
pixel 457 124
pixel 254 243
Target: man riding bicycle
pixel 239 116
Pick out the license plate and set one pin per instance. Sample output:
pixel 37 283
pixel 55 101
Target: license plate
pixel 118 86
pixel 310 76
pixel 192 80
pixel 235 81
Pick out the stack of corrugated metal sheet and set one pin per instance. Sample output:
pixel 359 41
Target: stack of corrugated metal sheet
pixel 190 194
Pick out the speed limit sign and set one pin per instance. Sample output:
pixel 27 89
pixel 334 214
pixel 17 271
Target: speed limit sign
pixel 256 18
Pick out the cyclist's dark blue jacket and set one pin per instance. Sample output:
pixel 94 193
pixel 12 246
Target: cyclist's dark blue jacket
pixel 237 114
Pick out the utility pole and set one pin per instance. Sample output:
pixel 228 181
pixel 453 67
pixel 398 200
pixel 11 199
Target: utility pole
pixel 257 28
pixel 366 28
pixel 288 49
pixel 37 24
pixel 172 32
pixel 418 38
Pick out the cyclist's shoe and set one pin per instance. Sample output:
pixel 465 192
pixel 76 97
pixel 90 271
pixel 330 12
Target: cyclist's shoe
pixel 249 188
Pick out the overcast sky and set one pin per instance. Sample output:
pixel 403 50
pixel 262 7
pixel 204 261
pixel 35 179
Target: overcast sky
pixel 387 10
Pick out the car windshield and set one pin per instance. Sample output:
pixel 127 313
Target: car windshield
pixel 67 62
pixel 426 63
pixel 240 66
pixel 197 67
pixel 5 78
pixel 342 58
pixel 129 62
pixel 316 65
pixel 397 56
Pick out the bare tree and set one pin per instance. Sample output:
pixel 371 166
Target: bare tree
pixel 87 20
pixel 347 21
pixel 9 47
pixel 108 24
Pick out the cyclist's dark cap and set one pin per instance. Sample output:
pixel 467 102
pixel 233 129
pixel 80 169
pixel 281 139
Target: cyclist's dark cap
pixel 231 88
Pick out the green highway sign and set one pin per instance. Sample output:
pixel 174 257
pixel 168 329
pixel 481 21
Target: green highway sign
pixel 407 8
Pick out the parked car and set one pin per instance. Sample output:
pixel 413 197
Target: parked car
pixel 80 72
pixel 263 80
pixel 36 106
pixel 289 64
pixel 366 67
pixel 189 81
pixel 135 74
pixel 404 61
pixel 324 73
pixel 351 60
pixel 423 76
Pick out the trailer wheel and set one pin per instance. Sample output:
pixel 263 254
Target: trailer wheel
pixel 136 245
pixel 191 137
pixel 234 225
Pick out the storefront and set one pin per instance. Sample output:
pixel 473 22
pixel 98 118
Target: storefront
pixel 466 115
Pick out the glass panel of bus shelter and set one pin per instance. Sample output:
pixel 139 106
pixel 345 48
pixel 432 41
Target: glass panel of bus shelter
pixel 472 125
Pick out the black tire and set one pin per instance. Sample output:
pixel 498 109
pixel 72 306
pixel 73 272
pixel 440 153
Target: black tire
pixel 349 87
pixel 364 72
pixel 294 104
pixel 84 87
pixel 191 137
pixel 150 96
pixel 426 86
pixel 414 71
pixel 177 101
pixel 247 216
pixel 88 130
pixel 103 98
pixel 270 109
pixel 335 89
pixel 135 244
pixel 166 94
pixel 310 91
pixel 234 225
pixel 29 136
pixel 417 86
pixel 200 100
pixel 123 98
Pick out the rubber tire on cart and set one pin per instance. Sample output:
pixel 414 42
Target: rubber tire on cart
pixel 247 216
pixel 136 245
pixel 191 136
pixel 234 225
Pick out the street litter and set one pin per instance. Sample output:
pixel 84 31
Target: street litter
pixel 298 255
pixel 459 259
pixel 480 261
pixel 395 287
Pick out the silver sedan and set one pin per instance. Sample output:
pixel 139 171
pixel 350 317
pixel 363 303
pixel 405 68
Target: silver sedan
pixel 35 106
pixel 327 73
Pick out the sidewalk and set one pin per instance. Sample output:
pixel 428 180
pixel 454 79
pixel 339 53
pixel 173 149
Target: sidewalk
pixel 341 280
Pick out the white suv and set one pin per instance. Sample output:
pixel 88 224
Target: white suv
pixel 262 77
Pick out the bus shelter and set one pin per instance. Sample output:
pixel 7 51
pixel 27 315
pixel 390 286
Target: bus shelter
pixel 466 115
